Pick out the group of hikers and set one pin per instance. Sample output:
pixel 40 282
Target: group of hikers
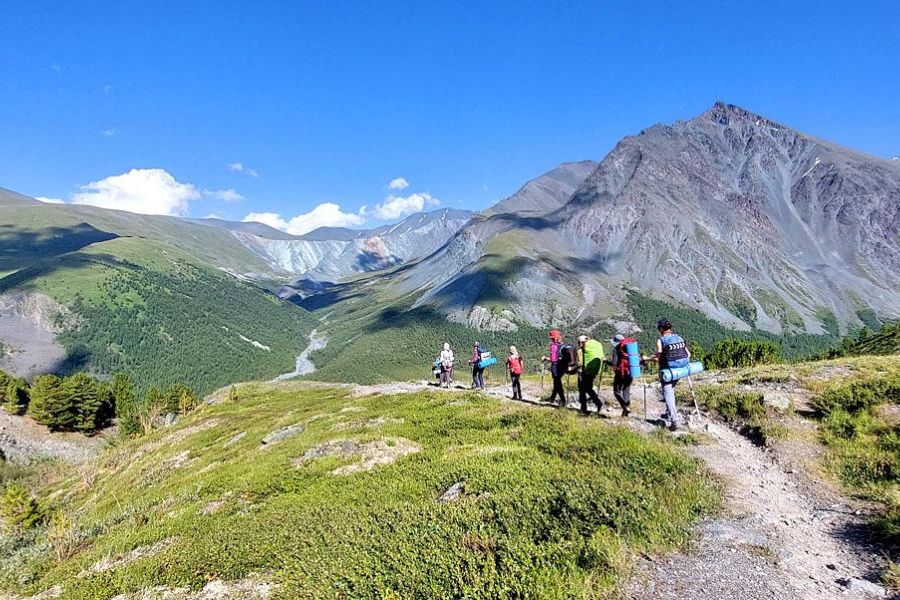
pixel 586 359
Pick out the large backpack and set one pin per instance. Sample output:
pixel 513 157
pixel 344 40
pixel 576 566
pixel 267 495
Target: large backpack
pixel 624 366
pixel 593 357
pixel 566 361
pixel 515 365
pixel 486 359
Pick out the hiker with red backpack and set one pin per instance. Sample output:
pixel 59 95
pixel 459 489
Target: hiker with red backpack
pixel 516 367
pixel 622 377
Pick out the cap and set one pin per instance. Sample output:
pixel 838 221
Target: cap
pixel 555 334
pixel 619 337
pixel 582 338
pixel 664 324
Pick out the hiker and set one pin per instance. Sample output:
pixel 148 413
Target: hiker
pixel 477 368
pixel 590 361
pixel 557 370
pixel 446 365
pixel 671 352
pixel 516 367
pixel 622 379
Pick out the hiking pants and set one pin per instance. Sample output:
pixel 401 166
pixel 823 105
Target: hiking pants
pixel 557 375
pixel 516 386
pixel 478 378
pixel 622 389
pixel 445 376
pixel 586 390
pixel 668 392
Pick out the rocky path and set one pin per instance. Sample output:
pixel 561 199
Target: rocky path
pixel 781 538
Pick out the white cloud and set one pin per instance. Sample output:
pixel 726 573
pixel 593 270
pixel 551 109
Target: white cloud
pixel 229 195
pixel 398 184
pixel 328 214
pixel 239 167
pixel 49 200
pixel 395 207
pixel 214 216
pixel 146 191
pixel 108 132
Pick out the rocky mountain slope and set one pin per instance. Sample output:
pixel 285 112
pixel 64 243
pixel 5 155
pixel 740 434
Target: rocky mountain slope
pixel 749 221
pixel 333 253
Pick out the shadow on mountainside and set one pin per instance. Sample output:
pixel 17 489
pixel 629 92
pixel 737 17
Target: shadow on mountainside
pixel 22 278
pixel 19 247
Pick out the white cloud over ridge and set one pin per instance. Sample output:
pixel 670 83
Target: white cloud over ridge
pixel 327 214
pixel 145 191
pixel 49 200
pixel 398 184
pixel 395 207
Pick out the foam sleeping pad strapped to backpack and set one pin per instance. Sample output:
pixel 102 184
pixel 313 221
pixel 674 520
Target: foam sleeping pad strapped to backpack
pixel 593 357
pixel 632 351
pixel 487 362
pixel 674 374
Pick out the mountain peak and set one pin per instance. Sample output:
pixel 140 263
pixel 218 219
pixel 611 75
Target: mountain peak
pixel 726 114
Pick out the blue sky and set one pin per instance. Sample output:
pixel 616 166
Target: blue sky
pixel 325 103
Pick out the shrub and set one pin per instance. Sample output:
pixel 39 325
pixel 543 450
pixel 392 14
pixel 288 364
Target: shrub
pixel 733 352
pixel 859 395
pixel 19 509
pixel 51 403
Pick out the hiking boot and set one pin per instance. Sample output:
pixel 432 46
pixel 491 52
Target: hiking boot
pixel 626 412
pixel 673 426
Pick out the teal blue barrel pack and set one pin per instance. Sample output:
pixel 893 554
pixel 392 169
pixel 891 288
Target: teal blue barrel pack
pixel 634 358
pixel 677 373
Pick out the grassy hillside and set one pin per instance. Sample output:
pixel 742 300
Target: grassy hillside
pixel 162 315
pixel 45 230
pixel 551 506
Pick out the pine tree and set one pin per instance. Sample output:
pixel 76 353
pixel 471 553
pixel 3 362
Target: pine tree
pixel 52 404
pixel 16 396
pixel 86 400
pixel 126 405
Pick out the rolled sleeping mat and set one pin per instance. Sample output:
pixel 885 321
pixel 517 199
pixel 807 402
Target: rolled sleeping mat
pixel 634 359
pixel 487 362
pixel 676 373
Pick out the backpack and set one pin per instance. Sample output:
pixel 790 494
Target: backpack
pixel 566 361
pixel 624 367
pixel 515 365
pixel 486 359
pixel 593 357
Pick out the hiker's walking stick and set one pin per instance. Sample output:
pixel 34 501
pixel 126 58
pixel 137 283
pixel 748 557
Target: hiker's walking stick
pixel 543 366
pixel 693 395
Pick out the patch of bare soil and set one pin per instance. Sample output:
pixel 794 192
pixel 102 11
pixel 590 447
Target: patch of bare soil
pixel 23 441
pixel 113 562
pixel 251 588
pixel 369 455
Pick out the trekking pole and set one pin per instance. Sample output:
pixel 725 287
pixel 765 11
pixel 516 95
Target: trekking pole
pixel 543 366
pixel 693 395
pixel 644 381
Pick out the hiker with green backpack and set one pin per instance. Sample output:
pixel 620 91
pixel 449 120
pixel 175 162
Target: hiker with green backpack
pixel 590 362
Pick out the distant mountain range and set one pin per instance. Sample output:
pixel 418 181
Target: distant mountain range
pixel 333 253
pixel 753 224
